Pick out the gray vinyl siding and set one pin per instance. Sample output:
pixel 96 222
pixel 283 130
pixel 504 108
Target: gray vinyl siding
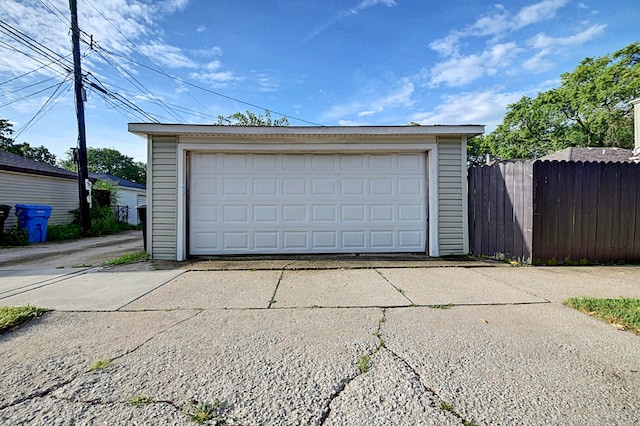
pixel 451 197
pixel 21 188
pixel 164 193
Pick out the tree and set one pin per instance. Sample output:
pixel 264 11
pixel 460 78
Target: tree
pixel 590 108
pixel 39 153
pixel 251 119
pixel 111 161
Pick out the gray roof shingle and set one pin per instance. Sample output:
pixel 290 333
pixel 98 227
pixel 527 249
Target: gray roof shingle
pixel 16 163
pixel 596 154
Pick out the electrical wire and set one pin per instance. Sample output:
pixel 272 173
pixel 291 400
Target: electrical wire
pixel 135 46
pixel 28 96
pixel 27 86
pixel 213 91
pixel 44 105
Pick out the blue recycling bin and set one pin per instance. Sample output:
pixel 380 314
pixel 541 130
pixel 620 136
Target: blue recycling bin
pixel 34 218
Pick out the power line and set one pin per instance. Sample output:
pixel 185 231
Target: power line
pixel 145 56
pixel 213 91
pixel 27 86
pixel 44 105
pixel 28 96
pixel 34 45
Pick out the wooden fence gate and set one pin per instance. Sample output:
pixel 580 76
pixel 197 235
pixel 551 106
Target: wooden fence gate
pixel 555 211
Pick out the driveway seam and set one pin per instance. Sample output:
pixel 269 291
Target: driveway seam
pixel 399 290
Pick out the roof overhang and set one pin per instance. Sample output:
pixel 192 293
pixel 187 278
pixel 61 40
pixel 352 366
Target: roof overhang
pixel 207 130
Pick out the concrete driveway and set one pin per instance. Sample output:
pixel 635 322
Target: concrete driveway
pixel 471 343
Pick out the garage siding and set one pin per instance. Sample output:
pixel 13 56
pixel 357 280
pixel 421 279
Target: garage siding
pixel 451 197
pixel 59 193
pixel 164 182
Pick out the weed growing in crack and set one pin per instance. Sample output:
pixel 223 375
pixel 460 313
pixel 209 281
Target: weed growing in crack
pixel 200 412
pixel 469 423
pixel 363 363
pixel 381 342
pixel 445 406
pixel 99 364
pixel 141 399
pixel 447 306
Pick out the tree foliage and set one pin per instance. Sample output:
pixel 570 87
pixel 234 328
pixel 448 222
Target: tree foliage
pixel 591 107
pixel 111 161
pixel 38 153
pixel 250 119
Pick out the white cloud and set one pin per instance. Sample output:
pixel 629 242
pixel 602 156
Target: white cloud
pixel 201 28
pixel 167 55
pixel 399 96
pixel 481 107
pixel 498 23
pixel 541 41
pixel 460 70
pixel 547 46
pixel 345 13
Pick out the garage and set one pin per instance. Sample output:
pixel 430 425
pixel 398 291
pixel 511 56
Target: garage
pixel 306 203
pixel 234 190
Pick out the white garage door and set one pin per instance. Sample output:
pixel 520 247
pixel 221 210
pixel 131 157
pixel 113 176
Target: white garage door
pixel 306 203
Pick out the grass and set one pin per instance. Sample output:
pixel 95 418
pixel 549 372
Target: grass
pixel 99 364
pixel 447 306
pixel 12 316
pixel 445 406
pixel 128 258
pixel 141 399
pixel 623 313
pixel 363 363
pixel 200 412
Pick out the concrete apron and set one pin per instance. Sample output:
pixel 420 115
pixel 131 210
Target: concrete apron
pixel 367 346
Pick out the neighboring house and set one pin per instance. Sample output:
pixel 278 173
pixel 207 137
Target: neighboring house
pixel 217 190
pixel 598 154
pixel 26 181
pixel 129 196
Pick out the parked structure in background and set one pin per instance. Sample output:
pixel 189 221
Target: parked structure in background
pixel 26 181
pixel 128 195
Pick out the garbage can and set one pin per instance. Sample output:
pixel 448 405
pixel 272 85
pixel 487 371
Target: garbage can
pixel 142 217
pixel 34 218
pixel 4 214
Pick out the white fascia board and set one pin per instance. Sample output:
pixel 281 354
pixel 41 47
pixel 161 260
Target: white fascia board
pixel 208 130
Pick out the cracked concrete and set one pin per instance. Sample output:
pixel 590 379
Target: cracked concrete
pixel 282 346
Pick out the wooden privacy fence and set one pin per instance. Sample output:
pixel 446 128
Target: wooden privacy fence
pixel 555 211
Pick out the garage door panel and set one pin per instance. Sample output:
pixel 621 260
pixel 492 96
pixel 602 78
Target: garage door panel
pixel 306 203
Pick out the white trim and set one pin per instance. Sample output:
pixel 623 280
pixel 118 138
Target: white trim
pixel 465 195
pixel 181 228
pixel 148 221
pixel 434 247
pixel 205 130
pixel 430 149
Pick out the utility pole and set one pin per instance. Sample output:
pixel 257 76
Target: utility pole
pixel 83 173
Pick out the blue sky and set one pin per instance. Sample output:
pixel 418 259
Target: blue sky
pixel 329 62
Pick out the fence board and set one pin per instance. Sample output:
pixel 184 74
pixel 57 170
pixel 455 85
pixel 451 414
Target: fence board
pixel 578 249
pixel 557 210
pixel 509 214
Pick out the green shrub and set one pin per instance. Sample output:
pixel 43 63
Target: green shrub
pixel 63 232
pixel 15 237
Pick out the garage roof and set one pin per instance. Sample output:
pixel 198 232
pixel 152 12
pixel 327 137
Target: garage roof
pixel 209 130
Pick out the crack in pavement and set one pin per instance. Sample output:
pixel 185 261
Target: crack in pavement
pixel 382 346
pixel 53 388
pixel 398 289
pixel 345 382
